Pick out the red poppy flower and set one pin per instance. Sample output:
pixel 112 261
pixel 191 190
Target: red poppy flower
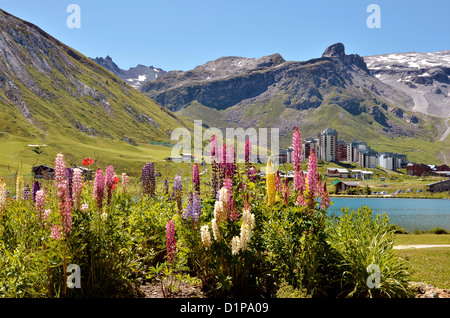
pixel 87 161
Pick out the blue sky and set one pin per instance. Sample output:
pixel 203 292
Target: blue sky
pixel 181 34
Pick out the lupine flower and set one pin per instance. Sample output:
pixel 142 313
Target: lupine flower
pixel 171 241
pixel 84 207
pixel 177 188
pixel 252 172
pixel 196 177
pixel 2 197
pixel 193 208
pixel 60 168
pixel 215 228
pixel 278 181
pixel 77 187
pixel 125 182
pixel 46 216
pixel 148 179
pixel 214 166
pixel 99 189
pixel 69 176
pixel 235 245
pixel 26 192
pixel 40 205
pixel 36 188
pixel 109 183
pixel 247 153
pixel 313 175
pixel 242 242
pixel 301 197
pixel 166 186
pixel 324 197
pixel 297 149
pixel 19 187
pixel 270 183
pixel 64 206
pixel 56 232
pixel 206 236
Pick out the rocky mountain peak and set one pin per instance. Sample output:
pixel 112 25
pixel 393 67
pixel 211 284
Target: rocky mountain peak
pixel 335 50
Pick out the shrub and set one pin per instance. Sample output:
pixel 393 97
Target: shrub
pixel 364 242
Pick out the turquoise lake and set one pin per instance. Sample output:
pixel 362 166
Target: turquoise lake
pixel 411 214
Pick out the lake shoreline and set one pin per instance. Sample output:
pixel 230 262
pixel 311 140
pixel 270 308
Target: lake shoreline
pixel 383 197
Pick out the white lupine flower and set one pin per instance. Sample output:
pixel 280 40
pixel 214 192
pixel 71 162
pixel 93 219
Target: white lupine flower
pixel 235 245
pixel 206 236
pixel 215 228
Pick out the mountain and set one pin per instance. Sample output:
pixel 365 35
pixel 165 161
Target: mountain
pixel 51 94
pixel 335 90
pixel 424 77
pixel 134 76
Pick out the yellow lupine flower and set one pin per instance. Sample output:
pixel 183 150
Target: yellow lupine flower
pixel 270 183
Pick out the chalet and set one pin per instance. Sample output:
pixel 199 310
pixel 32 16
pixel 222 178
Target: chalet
pixel 440 186
pixel 362 174
pixel 43 172
pixel 337 173
pixel 343 186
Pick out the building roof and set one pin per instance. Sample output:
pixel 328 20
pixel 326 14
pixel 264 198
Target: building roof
pixel 340 170
pixel 442 181
pixel 350 183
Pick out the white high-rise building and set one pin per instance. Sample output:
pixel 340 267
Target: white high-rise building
pixel 328 143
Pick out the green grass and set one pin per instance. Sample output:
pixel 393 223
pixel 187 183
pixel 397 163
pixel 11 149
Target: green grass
pixel 429 265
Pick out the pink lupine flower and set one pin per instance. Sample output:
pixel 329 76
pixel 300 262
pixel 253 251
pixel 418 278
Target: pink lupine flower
pixel 301 198
pixel 40 205
pixel 84 207
pixel 213 148
pixel 248 149
pixel 196 178
pixel 324 197
pixel 252 173
pixel 56 232
pixel 109 183
pixel 77 187
pixel 313 175
pixel 99 189
pixel 64 206
pixel 60 168
pixel 125 182
pixel 297 145
pixel 171 241
pixel 277 181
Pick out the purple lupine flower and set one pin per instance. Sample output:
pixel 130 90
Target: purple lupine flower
pixel 193 207
pixel 166 187
pixel 40 204
pixel 36 188
pixel 26 192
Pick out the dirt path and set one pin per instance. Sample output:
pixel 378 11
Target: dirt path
pixel 447 132
pixel 400 247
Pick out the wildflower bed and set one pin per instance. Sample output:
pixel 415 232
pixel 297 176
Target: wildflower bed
pixel 248 236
